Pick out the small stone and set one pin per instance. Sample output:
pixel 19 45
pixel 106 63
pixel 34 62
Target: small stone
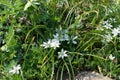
pixel 91 76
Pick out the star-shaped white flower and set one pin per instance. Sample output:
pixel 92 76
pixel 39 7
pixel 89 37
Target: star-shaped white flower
pixel 46 44
pixel 115 31
pixel 111 57
pixel 56 36
pixel 108 37
pixel 15 69
pixel 54 43
pixel 62 54
pixel 73 39
pixel 107 25
pixel 61 37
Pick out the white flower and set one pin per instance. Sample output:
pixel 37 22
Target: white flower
pixel 108 37
pixel 56 36
pixel 112 19
pixel 115 31
pixel 61 36
pixel 66 37
pixel 15 69
pixel 111 57
pixel 73 39
pixel 54 43
pixel 107 25
pixel 46 44
pixel 62 54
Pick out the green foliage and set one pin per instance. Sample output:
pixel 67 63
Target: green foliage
pixel 88 31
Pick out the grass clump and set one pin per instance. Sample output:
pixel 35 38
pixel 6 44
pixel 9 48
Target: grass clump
pixel 47 39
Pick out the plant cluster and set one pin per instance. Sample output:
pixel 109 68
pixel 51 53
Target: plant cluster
pixel 51 39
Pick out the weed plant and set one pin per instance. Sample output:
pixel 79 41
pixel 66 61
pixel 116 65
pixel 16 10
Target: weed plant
pixel 51 39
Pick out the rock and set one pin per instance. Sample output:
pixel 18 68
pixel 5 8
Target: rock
pixel 91 76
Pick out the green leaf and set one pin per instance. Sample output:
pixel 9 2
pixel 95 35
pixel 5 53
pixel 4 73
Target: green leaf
pixel 29 3
pixel 10 40
pixel 10 35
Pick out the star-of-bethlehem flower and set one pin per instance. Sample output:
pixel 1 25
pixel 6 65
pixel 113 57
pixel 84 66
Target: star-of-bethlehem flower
pixel 54 43
pixel 115 31
pixel 107 25
pixel 62 54
pixel 46 44
pixel 111 57
pixel 61 37
pixel 15 69
pixel 73 39
pixel 108 37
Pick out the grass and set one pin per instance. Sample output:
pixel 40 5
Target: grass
pixel 32 33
